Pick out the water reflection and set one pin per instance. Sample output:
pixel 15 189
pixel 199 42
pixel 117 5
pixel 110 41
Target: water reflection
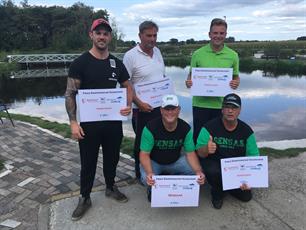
pixel 282 125
pixel 255 86
pixel 274 107
pixel 23 89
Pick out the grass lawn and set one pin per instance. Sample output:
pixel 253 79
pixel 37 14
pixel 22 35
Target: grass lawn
pixel 275 153
pixel 128 142
pixel 127 145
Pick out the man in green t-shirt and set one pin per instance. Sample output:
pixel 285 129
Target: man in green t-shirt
pixel 161 143
pixel 225 137
pixel 213 55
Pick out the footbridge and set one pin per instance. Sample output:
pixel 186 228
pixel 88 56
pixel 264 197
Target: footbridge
pixel 48 58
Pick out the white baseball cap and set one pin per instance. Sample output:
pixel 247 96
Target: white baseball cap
pixel 170 100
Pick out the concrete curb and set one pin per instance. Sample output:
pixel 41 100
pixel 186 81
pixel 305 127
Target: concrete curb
pixel 43 217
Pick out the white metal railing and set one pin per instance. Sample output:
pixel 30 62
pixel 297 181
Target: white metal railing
pixel 42 58
pixel 48 58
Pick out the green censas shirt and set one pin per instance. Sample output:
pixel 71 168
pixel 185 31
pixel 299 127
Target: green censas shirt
pixel 237 143
pixel 205 57
pixel 163 146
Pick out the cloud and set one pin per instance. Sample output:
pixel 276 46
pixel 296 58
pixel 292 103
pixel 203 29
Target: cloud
pixel 286 10
pixel 179 8
pixel 192 20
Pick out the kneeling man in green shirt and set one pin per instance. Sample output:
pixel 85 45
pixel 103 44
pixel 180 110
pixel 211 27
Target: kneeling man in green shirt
pixel 161 144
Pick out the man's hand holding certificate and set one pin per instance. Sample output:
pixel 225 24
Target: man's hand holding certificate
pixel 175 191
pixel 153 91
pixel 251 171
pixel 102 104
pixel 212 82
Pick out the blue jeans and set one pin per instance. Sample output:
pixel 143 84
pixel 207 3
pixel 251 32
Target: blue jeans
pixel 180 167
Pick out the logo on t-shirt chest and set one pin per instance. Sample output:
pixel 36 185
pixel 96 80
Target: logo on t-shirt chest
pixel 113 77
pixel 229 143
pixel 168 144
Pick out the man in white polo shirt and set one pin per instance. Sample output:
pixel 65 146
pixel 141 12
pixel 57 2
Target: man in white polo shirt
pixel 144 63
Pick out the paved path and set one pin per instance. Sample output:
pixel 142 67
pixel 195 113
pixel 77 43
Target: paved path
pixel 279 207
pixel 45 168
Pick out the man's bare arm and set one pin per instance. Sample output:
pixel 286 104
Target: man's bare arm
pixel 72 87
pixel 70 97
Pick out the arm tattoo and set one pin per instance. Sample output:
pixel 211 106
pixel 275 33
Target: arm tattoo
pixel 70 97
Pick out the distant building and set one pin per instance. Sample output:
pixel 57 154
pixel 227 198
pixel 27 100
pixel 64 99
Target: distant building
pixel 259 54
pixel 301 56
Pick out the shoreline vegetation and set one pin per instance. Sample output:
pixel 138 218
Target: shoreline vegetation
pixel 278 57
pixel 128 142
pixel 271 67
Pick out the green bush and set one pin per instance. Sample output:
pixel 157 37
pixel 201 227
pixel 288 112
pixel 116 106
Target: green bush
pixel 6 68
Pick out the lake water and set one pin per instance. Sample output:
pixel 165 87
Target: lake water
pixel 275 107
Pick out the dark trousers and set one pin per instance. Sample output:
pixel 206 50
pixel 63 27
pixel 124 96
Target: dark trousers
pixel 142 119
pixel 200 117
pixel 212 170
pixel 107 134
pixel 134 119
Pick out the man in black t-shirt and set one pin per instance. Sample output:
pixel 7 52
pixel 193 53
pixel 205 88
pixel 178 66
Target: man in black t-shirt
pixel 161 143
pixel 97 69
pixel 225 137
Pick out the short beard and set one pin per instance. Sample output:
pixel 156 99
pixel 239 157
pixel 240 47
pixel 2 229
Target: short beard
pixel 102 49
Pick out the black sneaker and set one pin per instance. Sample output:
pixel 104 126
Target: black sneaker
pixel 149 194
pixel 217 204
pixel 115 194
pixel 83 205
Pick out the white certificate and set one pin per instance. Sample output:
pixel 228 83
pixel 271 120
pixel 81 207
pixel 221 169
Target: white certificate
pixel 153 91
pixel 212 82
pixel 102 104
pixel 252 171
pixel 175 191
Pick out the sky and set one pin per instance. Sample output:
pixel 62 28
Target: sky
pixel 186 19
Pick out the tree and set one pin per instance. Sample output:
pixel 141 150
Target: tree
pixel 272 50
pixel 230 39
pixel 28 27
pixel 286 53
pixel 117 35
pixel 303 38
pixel 173 41
pixel 24 3
pixel 190 41
pixel 101 14
pixel 9 32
